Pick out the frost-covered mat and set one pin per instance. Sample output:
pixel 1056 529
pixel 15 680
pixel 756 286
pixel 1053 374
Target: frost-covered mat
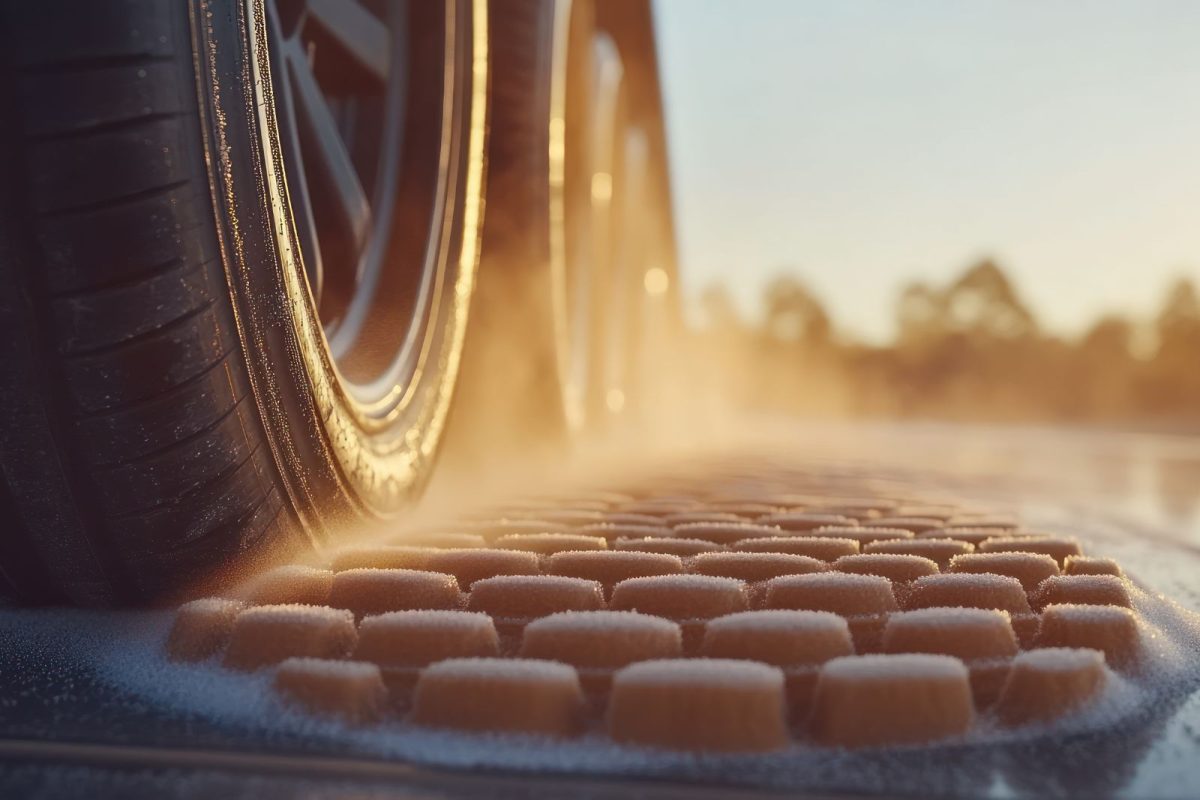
pixel 1139 736
pixel 106 677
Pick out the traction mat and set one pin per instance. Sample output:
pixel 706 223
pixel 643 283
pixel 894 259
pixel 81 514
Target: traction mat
pixel 754 624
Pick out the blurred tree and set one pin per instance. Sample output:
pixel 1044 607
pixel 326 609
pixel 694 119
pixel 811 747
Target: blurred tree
pixel 979 303
pixel 803 366
pixel 720 314
pixel 724 346
pixel 961 348
pixel 920 315
pixel 794 314
pixel 983 302
pixel 1109 340
pixel 1100 382
pixel 970 349
pixel 1178 322
pixel 1171 390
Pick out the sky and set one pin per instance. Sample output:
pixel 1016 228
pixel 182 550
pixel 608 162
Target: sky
pixel 867 143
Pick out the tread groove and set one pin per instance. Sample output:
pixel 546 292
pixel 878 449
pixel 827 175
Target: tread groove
pixel 186 440
pixel 111 202
pixel 129 281
pixel 135 404
pixel 116 347
pixel 111 126
pixel 94 63
pixel 181 499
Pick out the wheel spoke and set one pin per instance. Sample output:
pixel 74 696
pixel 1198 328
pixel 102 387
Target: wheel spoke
pixel 364 37
pixel 341 71
pixel 331 159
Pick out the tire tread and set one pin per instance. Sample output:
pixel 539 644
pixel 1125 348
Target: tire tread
pixel 152 457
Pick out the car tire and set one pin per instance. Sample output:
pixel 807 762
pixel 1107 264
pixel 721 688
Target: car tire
pixel 171 403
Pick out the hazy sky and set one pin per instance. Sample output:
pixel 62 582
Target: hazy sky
pixel 863 144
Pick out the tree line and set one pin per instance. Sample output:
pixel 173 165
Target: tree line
pixel 967 350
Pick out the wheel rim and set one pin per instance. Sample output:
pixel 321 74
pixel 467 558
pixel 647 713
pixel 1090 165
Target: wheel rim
pixel 594 351
pixel 594 213
pixel 353 122
pixel 340 457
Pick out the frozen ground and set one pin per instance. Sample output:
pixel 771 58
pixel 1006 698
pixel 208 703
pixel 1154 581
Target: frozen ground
pixel 101 677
